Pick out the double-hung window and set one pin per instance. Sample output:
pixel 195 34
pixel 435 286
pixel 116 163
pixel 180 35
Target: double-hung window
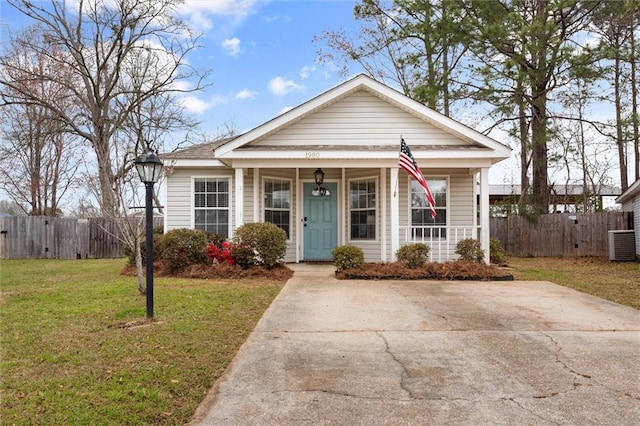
pixel 362 209
pixel 422 224
pixel 277 203
pixel 211 205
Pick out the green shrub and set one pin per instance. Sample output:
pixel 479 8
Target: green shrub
pixel 496 252
pixel 347 257
pixel 243 255
pixel 215 238
pixel 413 255
pixel 268 242
pixel 181 248
pixel 469 249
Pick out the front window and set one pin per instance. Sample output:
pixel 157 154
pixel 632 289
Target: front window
pixel 362 209
pixel 211 204
pixel 422 224
pixel 277 203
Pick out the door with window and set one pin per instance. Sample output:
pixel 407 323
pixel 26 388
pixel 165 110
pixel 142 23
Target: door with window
pixel 320 221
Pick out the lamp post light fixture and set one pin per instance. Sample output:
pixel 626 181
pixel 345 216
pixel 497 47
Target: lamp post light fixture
pixel 149 168
pixel 318 176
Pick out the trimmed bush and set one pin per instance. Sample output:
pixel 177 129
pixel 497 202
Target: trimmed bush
pixel 215 239
pixel 268 242
pixel 413 255
pixel 243 255
pixel 347 257
pixel 496 252
pixel 182 247
pixel 469 249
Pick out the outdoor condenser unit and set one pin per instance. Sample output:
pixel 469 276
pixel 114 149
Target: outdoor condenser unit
pixel 622 245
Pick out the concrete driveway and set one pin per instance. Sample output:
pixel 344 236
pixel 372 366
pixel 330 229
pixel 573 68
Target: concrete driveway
pixel 437 353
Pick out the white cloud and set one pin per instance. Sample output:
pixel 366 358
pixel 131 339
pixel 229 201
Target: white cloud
pixel 246 94
pixel 280 86
pixel 232 46
pixel 195 105
pixel 285 109
pixel 200 12
pixel 306 71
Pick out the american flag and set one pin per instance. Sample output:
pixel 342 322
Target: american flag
pixel 408 163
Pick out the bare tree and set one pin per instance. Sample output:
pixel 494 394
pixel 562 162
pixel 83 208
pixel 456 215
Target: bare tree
pixel 121 53
pixel 38 158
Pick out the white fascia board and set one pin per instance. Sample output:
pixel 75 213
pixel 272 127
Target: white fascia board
pixel 197 163
pixel 357 156
pixel 634 189
pixel 459 163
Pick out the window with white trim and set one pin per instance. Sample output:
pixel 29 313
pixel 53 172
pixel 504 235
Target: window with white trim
pixel 277 203
pixel 362 209
pixel 211 205
pixel 422 224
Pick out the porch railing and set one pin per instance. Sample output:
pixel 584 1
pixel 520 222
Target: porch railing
pixel 441 239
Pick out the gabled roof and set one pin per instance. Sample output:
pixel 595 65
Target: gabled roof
pixel 473 138
pixel 632 191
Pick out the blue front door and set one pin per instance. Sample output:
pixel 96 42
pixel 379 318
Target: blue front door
pixel 320 222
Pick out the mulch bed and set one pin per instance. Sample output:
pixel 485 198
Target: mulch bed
pixel 453 271
pixel 456 270
pixel 218 271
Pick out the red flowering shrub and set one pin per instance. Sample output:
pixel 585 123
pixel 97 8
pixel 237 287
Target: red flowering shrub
pixel 221 254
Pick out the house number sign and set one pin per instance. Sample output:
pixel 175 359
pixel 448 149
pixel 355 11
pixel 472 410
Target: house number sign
pixel 311 155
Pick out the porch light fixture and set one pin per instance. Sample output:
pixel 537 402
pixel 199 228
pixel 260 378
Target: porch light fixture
pixel 149 168
pixel 318 176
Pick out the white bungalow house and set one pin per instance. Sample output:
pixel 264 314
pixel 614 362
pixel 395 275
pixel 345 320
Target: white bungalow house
pixel 349 137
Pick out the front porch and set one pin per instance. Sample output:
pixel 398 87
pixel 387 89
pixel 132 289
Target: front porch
pixel 376 209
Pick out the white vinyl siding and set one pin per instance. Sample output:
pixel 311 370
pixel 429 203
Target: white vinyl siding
pixel 180 195
pixel 361 119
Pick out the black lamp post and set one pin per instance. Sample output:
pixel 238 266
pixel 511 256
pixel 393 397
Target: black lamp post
pixel 149 168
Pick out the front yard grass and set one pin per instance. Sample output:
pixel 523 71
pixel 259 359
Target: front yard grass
pixel 615 281
pixel 76 349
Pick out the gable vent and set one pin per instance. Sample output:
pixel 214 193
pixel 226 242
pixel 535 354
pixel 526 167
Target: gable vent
pixel 622 245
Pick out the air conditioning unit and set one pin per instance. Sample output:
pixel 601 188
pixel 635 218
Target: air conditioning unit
pixel 622 245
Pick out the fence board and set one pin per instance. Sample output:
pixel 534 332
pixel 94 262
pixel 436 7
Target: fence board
pixel 566 234
pixel 30 237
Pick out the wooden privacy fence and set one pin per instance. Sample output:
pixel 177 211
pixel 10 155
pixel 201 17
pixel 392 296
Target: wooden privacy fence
pixel 565 234
pixel 59 238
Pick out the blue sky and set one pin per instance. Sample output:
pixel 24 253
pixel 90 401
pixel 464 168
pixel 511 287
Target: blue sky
pixel 262 56
pixel 260 53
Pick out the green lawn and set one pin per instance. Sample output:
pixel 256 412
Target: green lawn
pixel 70 354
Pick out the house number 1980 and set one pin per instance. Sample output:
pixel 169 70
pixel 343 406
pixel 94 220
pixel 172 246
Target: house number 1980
pixel 312 154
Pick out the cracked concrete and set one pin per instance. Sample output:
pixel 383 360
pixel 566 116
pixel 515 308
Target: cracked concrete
pixel 438 353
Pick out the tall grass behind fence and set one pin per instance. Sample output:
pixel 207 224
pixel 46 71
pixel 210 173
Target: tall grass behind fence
pixel 565 234
pixel 59 238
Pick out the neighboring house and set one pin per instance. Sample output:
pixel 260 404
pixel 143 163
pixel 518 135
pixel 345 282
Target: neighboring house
pixel 563 198
pixel 351 135
pixel 630 200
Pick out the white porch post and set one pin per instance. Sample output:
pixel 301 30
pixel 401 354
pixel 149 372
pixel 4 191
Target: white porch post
pixel 484 213
pixel 383 214
pixel 239 199
pixel 298 214
pixel 395 213
pixel 256 194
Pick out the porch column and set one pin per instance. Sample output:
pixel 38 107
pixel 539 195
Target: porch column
pixel 484 213
pixel 256 194
pixel 239 199
pixel 383 214
pixel 395 213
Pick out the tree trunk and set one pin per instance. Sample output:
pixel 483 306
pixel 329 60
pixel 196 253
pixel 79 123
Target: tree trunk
pixel 624 179
pixel 142 286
